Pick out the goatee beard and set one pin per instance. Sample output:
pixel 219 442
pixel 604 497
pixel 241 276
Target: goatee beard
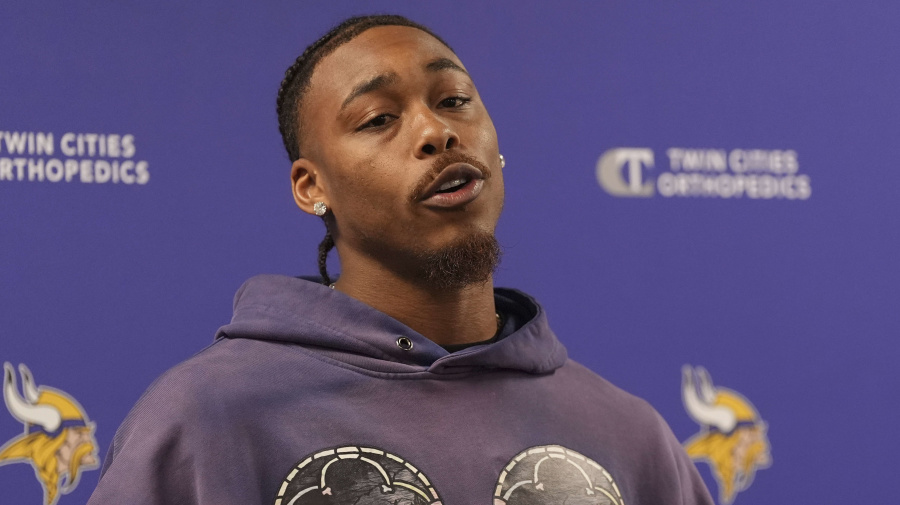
pixel 470 261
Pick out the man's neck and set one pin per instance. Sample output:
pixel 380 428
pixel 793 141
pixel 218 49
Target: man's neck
pixel 445 316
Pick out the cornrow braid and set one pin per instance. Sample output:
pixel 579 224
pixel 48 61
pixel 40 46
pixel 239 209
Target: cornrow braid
pixel 296 83
pixel 325 246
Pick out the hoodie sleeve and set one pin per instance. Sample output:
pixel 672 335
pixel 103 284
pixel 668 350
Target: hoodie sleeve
pixel 172 448
pixel 691 489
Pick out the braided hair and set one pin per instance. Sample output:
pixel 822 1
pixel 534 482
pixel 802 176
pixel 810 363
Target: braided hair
pixel 296 84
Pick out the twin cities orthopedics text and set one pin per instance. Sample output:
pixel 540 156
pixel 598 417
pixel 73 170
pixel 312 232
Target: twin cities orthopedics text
pixel 98 158
pixel 759 174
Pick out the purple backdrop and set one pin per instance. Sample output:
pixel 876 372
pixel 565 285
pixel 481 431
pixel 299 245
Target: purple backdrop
pixel 750 227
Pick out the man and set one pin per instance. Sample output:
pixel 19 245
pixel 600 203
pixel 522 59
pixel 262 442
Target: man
pixel 410 379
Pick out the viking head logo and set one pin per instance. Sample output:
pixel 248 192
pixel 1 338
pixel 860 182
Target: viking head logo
pixel 732 438
pixel 58 440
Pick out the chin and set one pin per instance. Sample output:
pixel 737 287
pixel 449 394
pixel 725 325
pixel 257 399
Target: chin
pixel 470 259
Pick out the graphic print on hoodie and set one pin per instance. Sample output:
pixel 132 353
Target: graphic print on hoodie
pixel 369 476
pixel 306 397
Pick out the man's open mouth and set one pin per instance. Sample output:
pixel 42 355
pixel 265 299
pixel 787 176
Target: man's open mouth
pixel 452 186
pixel 456 185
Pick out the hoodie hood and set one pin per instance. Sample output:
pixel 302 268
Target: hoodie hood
pixel 340 328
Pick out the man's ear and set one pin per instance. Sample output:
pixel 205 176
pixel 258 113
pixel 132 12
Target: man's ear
pixel 308 185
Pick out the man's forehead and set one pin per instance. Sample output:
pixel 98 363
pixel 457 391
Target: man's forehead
pixel 378 50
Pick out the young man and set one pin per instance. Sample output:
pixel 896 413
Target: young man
pixel 410 379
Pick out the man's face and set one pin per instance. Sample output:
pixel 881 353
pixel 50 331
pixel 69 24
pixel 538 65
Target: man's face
pixel 384 116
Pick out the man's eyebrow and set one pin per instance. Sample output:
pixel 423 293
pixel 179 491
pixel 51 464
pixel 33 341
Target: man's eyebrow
pixel 373 84
pixel 439 64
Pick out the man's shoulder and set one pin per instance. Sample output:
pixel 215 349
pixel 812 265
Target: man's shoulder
pixel 225 375
pixel 617 403
pixel 637 443
pixel 216 365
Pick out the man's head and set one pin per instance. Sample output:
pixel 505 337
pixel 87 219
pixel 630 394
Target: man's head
pixel 385 127
pixel 296 78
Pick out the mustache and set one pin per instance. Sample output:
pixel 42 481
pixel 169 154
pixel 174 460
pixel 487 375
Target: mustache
pixel 439 164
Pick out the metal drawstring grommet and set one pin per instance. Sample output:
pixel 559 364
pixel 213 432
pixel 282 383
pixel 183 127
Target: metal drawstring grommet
pixel 404 343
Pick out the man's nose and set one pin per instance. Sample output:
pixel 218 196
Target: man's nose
pixel 435 134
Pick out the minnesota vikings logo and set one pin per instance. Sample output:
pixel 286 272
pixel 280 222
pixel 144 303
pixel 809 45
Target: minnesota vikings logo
pixel 357 475
pixel 552 474
pixel 58 440
pixel 732 437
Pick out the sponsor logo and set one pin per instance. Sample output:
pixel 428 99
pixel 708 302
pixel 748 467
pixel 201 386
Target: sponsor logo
pixel 763 174
pixel 58 439
pixel 732 438
pixel 621 171
pixel 95 158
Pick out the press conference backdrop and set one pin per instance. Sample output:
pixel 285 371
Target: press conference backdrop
pixel 710 184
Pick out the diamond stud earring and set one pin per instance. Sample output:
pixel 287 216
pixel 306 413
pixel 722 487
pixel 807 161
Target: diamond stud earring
pixel 502 161
pixel 320 208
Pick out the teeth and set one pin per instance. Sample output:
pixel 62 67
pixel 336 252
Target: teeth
pixel 451 184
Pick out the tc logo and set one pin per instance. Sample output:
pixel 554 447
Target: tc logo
pixel 611 168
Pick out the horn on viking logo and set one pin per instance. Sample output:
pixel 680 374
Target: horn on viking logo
pixel 732 437
pixel 58 440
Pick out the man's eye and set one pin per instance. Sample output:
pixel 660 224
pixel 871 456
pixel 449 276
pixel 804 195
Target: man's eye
pixel 455 101
pixel 377 121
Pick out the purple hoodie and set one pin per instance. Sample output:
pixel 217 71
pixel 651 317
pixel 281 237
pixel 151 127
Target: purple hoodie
pixel 307 398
